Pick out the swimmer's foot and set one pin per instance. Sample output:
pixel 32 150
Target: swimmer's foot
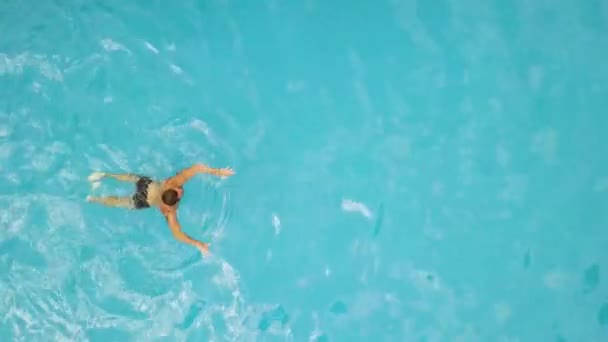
pixel 96 176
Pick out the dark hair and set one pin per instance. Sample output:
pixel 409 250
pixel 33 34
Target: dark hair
pixel 170 197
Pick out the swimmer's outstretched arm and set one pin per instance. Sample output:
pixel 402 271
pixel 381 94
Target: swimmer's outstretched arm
pixel 184 175
pixel 183 237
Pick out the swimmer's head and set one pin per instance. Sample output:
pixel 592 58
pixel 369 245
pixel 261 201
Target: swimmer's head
pixel 170 197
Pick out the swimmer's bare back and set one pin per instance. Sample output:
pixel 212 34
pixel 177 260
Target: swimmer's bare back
pixel 165 195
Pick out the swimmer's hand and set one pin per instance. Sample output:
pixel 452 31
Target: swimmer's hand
pixel 177 232
pixel 223 172
pixel 226 172
pixel 203 247
pixel 185 175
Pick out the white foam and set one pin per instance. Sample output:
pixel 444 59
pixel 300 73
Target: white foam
pixel 15 65
pixel 109 45
pixel 366 303
pixel 118 157
pixel 49 70
pixel 358 207
pixel 13 215
pixel 316 332
pixel 276 223
pixel 42 161
pixel 151 47
pixel 200 126
pixel 57 147
pixel 424 280
pixel 228 278
pixel 555 279
pixel 64 214
pixel 234 313
pixel 176 69
pixel 5 131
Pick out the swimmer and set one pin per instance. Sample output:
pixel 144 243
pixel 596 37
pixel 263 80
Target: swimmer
pixel 165 195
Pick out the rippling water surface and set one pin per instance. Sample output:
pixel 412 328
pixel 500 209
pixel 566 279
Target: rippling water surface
pixel 406 171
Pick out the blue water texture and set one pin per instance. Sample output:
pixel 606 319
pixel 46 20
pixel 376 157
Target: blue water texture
pixel 405 170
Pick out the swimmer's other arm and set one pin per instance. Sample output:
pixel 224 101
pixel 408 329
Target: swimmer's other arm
pixel 183 237
pixel 184 175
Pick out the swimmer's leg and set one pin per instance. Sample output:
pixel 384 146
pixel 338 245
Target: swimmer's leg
pixel 124 177
pixel 113 201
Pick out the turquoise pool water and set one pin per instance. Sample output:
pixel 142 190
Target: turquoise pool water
pixel 406 171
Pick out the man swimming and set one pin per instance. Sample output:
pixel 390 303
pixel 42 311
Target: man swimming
pixel 165 195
